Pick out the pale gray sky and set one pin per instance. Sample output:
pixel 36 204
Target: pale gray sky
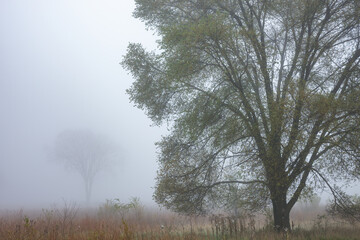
pixel 59 69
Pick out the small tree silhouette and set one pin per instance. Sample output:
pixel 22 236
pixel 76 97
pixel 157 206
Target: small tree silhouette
pixel 85 152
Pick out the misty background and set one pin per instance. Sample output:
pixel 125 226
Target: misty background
pixel 59 69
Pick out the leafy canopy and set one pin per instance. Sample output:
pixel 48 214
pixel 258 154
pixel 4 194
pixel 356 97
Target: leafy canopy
pixel 263 98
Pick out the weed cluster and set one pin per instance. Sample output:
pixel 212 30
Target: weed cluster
pixel 223 226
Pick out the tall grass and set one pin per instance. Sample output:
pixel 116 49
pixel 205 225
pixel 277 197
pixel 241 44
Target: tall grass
pixel 120 221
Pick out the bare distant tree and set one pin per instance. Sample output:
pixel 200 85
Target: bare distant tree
pixel 84 152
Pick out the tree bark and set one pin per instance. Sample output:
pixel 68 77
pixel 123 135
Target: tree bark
pixel 281 212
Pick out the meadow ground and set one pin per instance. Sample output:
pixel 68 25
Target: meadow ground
pixel 110 222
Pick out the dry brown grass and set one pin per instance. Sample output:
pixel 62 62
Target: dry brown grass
pixel 70 223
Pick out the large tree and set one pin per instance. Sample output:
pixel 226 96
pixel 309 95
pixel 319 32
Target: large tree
pixel 85 152
pixel 262 98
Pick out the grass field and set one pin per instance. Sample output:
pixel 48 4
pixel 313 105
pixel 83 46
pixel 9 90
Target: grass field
pixel 134 222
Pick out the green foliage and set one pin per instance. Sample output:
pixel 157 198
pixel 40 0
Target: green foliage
pixel 261 98
pixel 115 208
pixel 346 207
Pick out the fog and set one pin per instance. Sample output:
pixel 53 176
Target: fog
pixel 59 69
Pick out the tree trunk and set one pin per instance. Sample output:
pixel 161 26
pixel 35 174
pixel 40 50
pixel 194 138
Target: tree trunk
pixel 88 188
pixel 281 213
